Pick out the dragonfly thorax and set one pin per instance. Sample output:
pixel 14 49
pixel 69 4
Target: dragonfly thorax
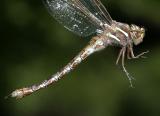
pixel 122 34
pixel 118 34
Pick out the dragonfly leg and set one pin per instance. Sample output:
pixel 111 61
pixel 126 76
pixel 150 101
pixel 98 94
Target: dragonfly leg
pixel 122 54
pixel 119 56
pixel 130 53
pixel 124 68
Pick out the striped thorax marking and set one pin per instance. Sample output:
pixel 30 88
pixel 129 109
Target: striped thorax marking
pixel 112 36
pixel 120 30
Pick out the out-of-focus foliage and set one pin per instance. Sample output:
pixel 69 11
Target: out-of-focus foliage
pixel 33 46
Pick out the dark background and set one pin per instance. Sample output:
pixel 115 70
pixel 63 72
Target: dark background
pixel 33 46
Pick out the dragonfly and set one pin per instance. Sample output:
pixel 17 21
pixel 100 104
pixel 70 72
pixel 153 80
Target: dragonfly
pixel 86 18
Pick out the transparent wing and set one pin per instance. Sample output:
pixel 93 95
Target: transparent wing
pixel 98 10
pixel 83 17
pixel 102 12
pixel 73 19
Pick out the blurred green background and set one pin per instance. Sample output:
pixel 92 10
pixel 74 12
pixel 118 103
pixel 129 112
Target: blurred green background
pixel 33 46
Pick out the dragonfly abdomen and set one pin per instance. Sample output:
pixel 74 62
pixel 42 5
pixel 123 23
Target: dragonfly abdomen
pixel 95 44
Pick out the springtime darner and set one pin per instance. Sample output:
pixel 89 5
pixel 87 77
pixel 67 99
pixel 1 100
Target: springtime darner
pixel 87 17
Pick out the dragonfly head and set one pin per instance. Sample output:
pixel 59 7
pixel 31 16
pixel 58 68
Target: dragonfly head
pixel 137 34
